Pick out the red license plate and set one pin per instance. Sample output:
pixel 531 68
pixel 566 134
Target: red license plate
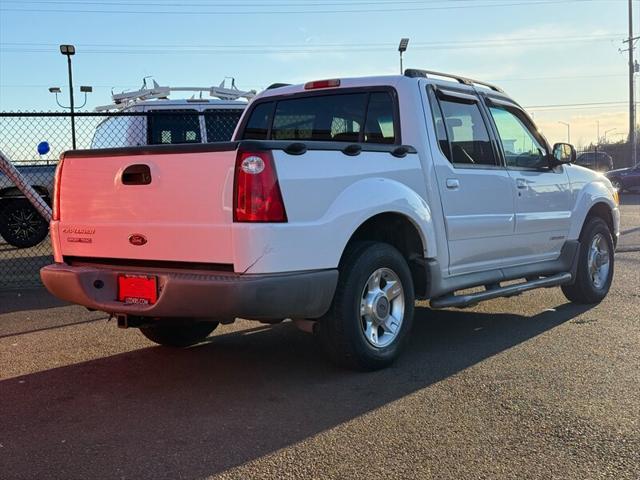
pixel 137 289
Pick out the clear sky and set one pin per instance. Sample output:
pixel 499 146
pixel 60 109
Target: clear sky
pixel 562 53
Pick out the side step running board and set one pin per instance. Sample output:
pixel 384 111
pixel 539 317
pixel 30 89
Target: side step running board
pixel 508 291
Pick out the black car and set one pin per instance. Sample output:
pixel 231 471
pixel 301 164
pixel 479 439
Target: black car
pixel 625 178
pixel 599 161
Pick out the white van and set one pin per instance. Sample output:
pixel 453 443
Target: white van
pixel 148 117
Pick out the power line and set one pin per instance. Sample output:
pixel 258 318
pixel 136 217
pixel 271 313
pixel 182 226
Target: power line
pixel 293 12
pixel 241 4
pixel 292 48
pixel 489 42
pixel 301 3
pixel 511 79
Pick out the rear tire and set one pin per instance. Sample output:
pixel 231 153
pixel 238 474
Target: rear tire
pixel 372 310
pixel 178 335
pixel 595 264
pixel 21 225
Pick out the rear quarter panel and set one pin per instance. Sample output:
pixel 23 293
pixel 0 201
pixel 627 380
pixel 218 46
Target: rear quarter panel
pixel 328 195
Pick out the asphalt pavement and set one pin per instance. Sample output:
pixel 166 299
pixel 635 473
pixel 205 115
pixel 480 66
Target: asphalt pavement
pixel 530 387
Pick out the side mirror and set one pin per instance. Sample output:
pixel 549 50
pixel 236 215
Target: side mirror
pixel 563 153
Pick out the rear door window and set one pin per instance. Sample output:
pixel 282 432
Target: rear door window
pixel 174 126
pixel 346 117
pixel 462 133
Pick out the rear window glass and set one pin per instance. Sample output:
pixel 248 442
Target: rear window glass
pixel 380 127
pixel 174 126
pixel 257 127
pixel 353 117
pixel 220 124
pixel 332 117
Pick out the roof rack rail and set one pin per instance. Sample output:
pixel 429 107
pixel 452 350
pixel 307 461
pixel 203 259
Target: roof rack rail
pixel 277 85
pixel 417 73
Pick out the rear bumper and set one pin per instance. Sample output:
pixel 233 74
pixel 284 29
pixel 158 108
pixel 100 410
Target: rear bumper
pixel 199 294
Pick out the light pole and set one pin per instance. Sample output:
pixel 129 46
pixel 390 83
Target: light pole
pixel 84 89
pixel 69 51
pixel 568 125
pixel 402 48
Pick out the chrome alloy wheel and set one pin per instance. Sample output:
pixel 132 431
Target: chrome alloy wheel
pixel 599 261
pixel 382 307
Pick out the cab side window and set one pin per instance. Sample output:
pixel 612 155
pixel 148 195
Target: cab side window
pixel 521 148
pixel 462 133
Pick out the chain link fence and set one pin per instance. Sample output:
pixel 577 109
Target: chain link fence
pixel 34 141
pixel 24 242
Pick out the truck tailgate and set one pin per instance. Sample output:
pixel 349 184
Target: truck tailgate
pixel 183 214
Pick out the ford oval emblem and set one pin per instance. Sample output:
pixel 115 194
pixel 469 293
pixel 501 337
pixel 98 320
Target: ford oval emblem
pixel 137 239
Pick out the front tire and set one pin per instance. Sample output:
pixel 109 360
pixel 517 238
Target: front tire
pixel 21 225
pixel 372 310
pixel 595 264
pixel 178 335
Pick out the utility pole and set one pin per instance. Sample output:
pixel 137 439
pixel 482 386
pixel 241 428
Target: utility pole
pixel 632 104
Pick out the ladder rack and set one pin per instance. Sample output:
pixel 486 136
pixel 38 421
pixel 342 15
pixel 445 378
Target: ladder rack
pixel 127 99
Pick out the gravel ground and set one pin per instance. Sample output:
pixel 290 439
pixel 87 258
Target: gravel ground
pixel 528 387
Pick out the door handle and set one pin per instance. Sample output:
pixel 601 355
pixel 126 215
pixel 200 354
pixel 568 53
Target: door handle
pixel 521 183
pixel 138 174
pixel 453 183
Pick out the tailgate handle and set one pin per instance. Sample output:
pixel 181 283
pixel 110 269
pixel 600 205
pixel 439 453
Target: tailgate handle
pixel 138 174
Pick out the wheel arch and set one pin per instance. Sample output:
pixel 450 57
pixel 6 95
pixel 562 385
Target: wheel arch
pixel 603 210
pixel 400 231
pixel 595 199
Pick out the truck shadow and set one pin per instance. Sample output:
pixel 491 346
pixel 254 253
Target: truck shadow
pixel 194 413
pixel 24 299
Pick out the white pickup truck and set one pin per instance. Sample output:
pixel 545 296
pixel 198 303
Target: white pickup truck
pixel 337 204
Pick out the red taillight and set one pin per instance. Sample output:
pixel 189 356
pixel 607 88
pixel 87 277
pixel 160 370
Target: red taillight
pixel 56 190
pixel 322 84
pixel 257 196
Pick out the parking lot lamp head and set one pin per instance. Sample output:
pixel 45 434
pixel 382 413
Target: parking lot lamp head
pixel 67 50
pixel 402 48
